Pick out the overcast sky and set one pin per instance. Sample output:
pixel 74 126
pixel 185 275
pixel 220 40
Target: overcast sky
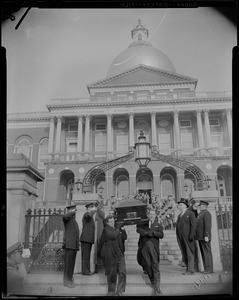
pixel 56 53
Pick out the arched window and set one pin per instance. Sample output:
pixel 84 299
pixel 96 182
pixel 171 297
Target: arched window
pixel 24 147
pixel 167 185
pixel 122 186
pixel 43 153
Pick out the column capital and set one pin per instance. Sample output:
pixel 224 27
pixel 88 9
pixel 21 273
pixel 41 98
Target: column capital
pixel 109 116
pixel 153 113
pixel 198 111
pixel 52 118
pixel 228 110
pixel 131 114
pixel 175 112
pixel 87 116
pixel 59 118
pixel 206 111
pixel 79 117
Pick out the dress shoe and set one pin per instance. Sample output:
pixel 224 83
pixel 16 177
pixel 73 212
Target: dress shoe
pixel 182 264
pixel 188 273
pixel 88 274
pixel 118 293
pixel 71 285
pixel 207 272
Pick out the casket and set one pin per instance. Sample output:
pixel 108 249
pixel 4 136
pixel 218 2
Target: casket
pixel 131 211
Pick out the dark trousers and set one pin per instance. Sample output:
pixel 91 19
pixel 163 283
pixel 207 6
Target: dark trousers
pixel 69 265
pixel 85 257
pixel 205 248
pixel 120 270
pixel 150 262
pixel 187 253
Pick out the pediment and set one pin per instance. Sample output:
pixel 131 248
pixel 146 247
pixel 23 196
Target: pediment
pixel 142 75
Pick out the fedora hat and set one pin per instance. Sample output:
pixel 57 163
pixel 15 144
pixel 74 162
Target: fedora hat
pixel 184 201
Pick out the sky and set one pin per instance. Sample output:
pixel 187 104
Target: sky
pixel 55 53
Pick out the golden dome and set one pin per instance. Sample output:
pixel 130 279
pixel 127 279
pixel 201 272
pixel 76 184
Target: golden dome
pixel 140 52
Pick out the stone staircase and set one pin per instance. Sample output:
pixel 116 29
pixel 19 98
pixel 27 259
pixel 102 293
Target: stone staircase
pixel 173 283
pixel 169 249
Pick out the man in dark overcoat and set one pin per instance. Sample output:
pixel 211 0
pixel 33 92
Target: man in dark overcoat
pixel 203 235
pixel 148 255
pixel 87 237
pixel 112 253
pixel 185 232
pixel 70 244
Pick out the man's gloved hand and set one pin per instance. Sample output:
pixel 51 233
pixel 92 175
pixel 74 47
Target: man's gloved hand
pixel 119 224
pixel 150 233
pixel 190 238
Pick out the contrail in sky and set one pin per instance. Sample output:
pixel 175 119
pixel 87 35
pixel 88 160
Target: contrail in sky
pixel 159 23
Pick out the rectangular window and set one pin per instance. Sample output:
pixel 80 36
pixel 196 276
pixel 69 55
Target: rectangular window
pixel 214 122
pixel 217 142
pixel 122 143
pixel 187 142
pixel 71 147
pixel 72 128
pixel 101 144
pixel 185 123
pixel 164 143
pixel 100 127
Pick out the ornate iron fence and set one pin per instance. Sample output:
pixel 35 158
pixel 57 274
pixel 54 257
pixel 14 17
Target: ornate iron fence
pixel 224 225
pixel 44 237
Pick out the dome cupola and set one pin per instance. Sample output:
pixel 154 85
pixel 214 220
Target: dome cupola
pixel 140 52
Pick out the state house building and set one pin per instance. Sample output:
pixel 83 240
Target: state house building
pixel 141 91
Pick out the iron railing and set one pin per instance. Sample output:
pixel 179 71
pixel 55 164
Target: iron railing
pixel 224 225
pixel 44 237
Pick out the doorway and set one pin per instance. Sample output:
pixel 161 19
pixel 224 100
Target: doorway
pixel 148 192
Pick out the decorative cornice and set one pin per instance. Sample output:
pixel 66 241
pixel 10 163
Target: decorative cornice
pixel 139 103
pixel 28 120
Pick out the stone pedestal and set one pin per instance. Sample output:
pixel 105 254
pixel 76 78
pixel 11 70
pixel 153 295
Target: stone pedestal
pixel 22 178
pixel 211 197
pixel 80 200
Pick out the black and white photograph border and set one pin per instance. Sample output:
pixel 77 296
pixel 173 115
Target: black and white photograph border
pixel 82 81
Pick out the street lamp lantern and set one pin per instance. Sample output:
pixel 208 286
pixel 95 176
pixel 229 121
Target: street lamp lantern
pixel 78 184
pixel 142 151
pixel 208 181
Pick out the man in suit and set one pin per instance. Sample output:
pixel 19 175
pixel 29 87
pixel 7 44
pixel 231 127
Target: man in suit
pixel 185 232
pixel 112 253
pixel 70 244
pixel 203 235
pixel 148 255
pixel 15 278
pixel 87 237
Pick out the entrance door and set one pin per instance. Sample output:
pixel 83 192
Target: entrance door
pixel 148 192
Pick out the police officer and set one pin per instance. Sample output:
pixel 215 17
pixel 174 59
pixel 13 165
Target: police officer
pixel 15 278
pixel 87 237
pixel 70 244
pixel 203 235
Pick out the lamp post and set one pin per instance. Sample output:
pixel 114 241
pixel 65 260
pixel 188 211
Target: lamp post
pixel 208 182
pixel 142 151
pixel 78 184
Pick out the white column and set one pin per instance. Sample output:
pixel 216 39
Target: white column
pixel 207 127
pixel 176 127
pixel 153 128
pixel 131 129
pixel 200 130
pixel 51 135
pixel 79 134
pixel 58 134
pixel 229 124
pixel 87 133
pixel 109 133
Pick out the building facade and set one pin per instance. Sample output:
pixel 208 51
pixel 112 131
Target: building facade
pixel 141 91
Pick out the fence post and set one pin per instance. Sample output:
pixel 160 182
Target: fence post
pixel 27 228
